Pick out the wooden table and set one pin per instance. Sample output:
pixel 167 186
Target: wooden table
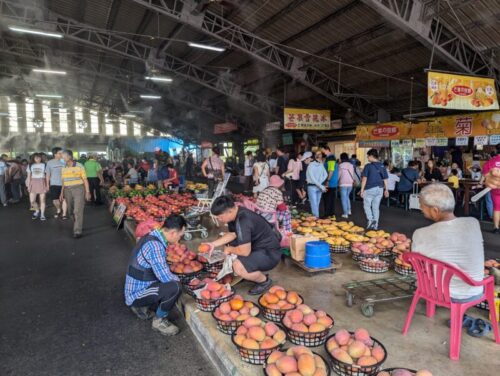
pixel 467 184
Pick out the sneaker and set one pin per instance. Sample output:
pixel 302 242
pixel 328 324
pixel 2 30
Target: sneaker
pixel 370 225
pixel 35 215
pixel 345 216
pixel 143 313
pixel 77 235
pixel 375 226
pixel 164 326
pixel 42 218
pixel 496 231
pixel 260 288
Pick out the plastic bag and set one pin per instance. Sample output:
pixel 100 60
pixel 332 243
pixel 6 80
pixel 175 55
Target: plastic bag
pixel 227 267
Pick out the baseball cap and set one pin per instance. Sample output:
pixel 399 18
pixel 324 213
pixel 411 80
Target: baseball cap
pixel 306 155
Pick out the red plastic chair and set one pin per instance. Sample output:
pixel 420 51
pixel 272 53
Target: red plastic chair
pixel 433 285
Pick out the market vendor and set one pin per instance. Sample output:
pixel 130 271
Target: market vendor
pixel 491 172
pixel 151 289
pixel 252 239
pixel 456 241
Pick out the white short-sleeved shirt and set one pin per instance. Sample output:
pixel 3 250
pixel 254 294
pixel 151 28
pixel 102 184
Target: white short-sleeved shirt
pixel 391 181
pixel 37 170
pixel 458 242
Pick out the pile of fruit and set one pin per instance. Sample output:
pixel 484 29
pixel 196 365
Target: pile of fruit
pixel 401 242
pixel 356 348
pixel 404 372
pixel 236 309
pixel 278 298
pixel 137 191
pixel 297 360
pixel 214 290
pixel 181 260
pixel 255 334
pixel 349 227
pixel 377 234
pixel 306 320
pixel 365 248
pixel 196 187
pixel 373 265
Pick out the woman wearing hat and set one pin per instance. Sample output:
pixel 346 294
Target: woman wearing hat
pixel 271 200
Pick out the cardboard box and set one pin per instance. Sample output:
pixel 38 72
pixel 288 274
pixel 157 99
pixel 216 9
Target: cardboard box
pixel 298 246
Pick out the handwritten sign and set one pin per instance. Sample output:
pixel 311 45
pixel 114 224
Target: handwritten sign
pixel 431 141
pixel 407 143
pixel 442 141
pixel 481 140
pixel 395 143
pixel 419 143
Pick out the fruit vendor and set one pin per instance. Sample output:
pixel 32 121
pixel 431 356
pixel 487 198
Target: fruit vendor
pixel 491 172
pixel 151 289
pixel 252 239
pixel 456 241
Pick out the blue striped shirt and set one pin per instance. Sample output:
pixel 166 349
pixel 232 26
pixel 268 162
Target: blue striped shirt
pixel 152 256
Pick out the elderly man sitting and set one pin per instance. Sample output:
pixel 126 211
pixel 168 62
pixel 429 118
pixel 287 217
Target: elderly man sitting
pixel 456 241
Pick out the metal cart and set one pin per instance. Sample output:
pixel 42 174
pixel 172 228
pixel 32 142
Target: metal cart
pixel 193 220
pixel 378 290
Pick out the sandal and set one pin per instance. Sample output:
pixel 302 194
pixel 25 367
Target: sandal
pixel 466 322
pixel 57 215
pixel 64 217
pixel 479 328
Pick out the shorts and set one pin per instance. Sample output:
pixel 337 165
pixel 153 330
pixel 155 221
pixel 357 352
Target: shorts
pixel 260 260
pixel 495 197
pixel 55 191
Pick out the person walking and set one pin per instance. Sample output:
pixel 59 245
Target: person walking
pixel 54 182
pixel 346 182
pixel 93 170
pixel 316 175
pixel 3 178
pixel 248 171
pixel 213 169
pixel 16 179
pixel 373 187
pixel 330 196
pixel 292 176
pixel 189 166
pixel 37 185
pixel 75 190
pixel 261 174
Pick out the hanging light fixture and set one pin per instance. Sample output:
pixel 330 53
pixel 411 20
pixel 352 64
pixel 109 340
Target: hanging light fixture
pixel 82 124
pixel 38 123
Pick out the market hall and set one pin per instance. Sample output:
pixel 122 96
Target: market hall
pixel 306 187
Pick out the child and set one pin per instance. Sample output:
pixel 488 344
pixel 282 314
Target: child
pixel 37 185
pixel 454 178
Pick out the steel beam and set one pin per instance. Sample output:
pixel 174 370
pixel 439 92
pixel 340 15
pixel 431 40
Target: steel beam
pixel 410 16
pixel 115 43
pixel 263 50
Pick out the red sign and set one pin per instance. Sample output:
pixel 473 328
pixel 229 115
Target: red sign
pixel 462 90
pixel 225 128
pixel 385 131
pixel 463 126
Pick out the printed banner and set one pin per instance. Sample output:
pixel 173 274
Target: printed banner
pixel 468 125
pixel 374 144
pixel 307 119
pixel 274 126
pixel 225 128
pixel 459 92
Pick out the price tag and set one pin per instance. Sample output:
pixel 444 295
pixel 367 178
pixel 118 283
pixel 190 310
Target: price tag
pixel 431 141
pixel 462 141
pixel 419 143
pixel 495 139
pixel 442 141
pixel 481 140
pixel 119 214
pixel 395 143
pixel 407 143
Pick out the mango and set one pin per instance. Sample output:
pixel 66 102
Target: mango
pixel 320 372
pixel 252 321
pixel 325 321
pixel 205 294
pixel 213 286
pixel 309 319
pixel 234 314
pixel 378 353
pixel 257 333
pixel 297 351
pixel 275 355
pixel 251 344
pixel 268 344
pixel 300 328
pixel 361 334
pixel 383 373
pixel 281 294
pixel 401 372
pixel 306 365
pixel 225 317
pixel 357 349
pixel 270 328
pixel 238 339
pixel 423 372
pixel 366 361
pixel 367 352
pixel 319 362
pixel 280 336
pixel 242 330
pixel 254 311
pixel 342 337
pixel 225 308
pixel 342 356
pixel 287 322
pixel 292 297
pixel 305 309
pixel 287 364
pixel 296 316
pixel 316 328
pixel 275 288
pixel 242 317
pixel 320 313
pixel 332 344
pixel 272 370
pixel 271 298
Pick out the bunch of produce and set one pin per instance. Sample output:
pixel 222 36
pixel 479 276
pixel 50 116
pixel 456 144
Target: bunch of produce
pixel 355 237
pixel 377 234
pixel 278 298
pixel 399 261
pixel 338 241
pixel 237 309
pixel 214 290
pixel 297 360
pixel 197 283
pixel 182 261
pixel 382 242
pixel 401 243
pixel 404 372
pixel 373 265
pixel 349 227
pixel 255 334
pixel 305 319
pixel 365 248
pixel 196 186
pixel 356 348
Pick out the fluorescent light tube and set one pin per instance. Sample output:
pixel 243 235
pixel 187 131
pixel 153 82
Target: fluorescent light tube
pixel 35 32
pixel 49 71
pixel 206 47
pixel 150 96
pixel 160 79
pixel 48 96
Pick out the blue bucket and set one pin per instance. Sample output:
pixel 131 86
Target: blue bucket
pixel 317 255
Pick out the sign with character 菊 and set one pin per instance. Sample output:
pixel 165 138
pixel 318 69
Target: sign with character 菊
pixel 306 119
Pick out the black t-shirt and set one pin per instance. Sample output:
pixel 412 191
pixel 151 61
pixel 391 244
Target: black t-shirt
pixel 252 228
pixel 282 165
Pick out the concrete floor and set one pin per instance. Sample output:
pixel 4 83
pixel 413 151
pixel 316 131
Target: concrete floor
pixel 425 346
pixel 62 310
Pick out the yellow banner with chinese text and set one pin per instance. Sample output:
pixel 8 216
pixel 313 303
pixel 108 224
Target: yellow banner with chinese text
pixel 459 92
pixel 306 119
